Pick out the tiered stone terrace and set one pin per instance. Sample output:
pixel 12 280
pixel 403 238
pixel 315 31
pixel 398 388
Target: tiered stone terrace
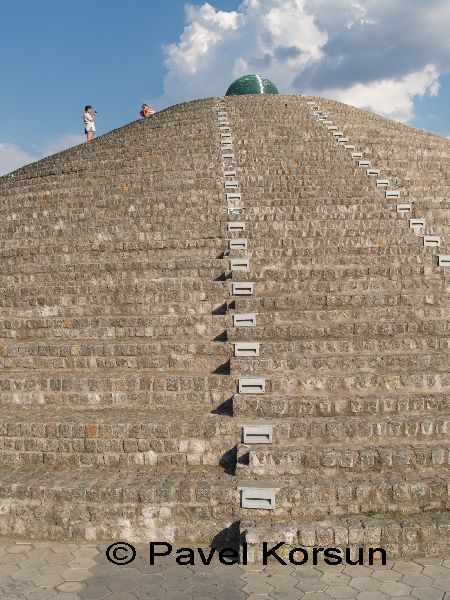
pixel 119 383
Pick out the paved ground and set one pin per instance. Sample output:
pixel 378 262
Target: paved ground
pixel 49 570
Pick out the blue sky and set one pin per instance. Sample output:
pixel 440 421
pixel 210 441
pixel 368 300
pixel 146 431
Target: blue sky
pixel 58 55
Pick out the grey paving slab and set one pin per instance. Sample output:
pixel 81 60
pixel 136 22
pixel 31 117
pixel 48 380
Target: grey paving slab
pixel 365 583
pixel 395 588
pixel 442 584
pixel 427 593
pixel 39 594
pixel 387 575
pixel 342 592
pixel 372 595
pixel 94 592
pixel 77 572
pixel 417 580
pixel 407 567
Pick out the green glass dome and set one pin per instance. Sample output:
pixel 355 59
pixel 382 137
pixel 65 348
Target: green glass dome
pixel 251 84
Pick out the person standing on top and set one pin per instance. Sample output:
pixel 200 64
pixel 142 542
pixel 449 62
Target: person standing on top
pixel 89 125
pixel 146 111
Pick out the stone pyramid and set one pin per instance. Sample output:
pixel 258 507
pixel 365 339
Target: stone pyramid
pixel 230 322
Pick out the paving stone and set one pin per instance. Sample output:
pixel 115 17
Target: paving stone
pixel 278 569
pixel 61 559
pixel 442 583
pixel 365 583
pixel 282 582
pixel 436 572
pixel 307 573
pixel 387 575
pixel 122 596
pixel 205 589
pixel 148 591
pixel 81 563
pixel 427 593
pixel 258 567
pixel 324 568
pixel 75 574
pixel 312 585
pixel 41 554
pixel 417 580
pixel 94 592
pixel 372 595
pixel 316 596
pixel 86 552
pixel 180 572
pixel 48 581
pixel 175 596
pixel 431 561
pixel 231 594
pixel 7 569
pixel 122 584
pixel 70 586
pixel 253 577
pixel 342 591
pixel 11 559
pixel 407 567
pixel 52 569
pixel 19 549
pixel 258 588
pixel 336 578
pixel 34 563
pixel 176 584
pixel 25 574
pixel 40 594
pixel 395 588
pixel 358 571
pixel 294 594
pixel 98 580
pixel 204 578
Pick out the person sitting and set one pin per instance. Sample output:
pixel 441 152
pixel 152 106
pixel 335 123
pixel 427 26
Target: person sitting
pixel 146 111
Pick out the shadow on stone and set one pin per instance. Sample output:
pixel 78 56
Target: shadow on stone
pixel 226 408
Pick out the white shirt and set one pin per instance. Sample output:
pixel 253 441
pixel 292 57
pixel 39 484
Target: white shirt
pixel 89 122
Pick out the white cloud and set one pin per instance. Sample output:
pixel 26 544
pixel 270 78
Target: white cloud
pixel 373 53
pixel 272 36
pixel 62 142
pixel 12 156
pixel 389 97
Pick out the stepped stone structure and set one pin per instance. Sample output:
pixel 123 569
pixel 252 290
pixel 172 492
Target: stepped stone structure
pixel 230 322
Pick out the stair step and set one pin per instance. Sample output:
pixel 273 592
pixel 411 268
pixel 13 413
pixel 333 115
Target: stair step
pixel 401 536
pixel 340 404
pixel 63 436
pixel 42 502
pixel 331 461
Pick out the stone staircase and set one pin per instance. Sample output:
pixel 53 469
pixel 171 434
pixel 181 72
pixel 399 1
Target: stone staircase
pixel 348 443
pixel 115 376
pixel 214 326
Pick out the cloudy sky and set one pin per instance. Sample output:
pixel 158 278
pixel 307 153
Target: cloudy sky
pixel 390 57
